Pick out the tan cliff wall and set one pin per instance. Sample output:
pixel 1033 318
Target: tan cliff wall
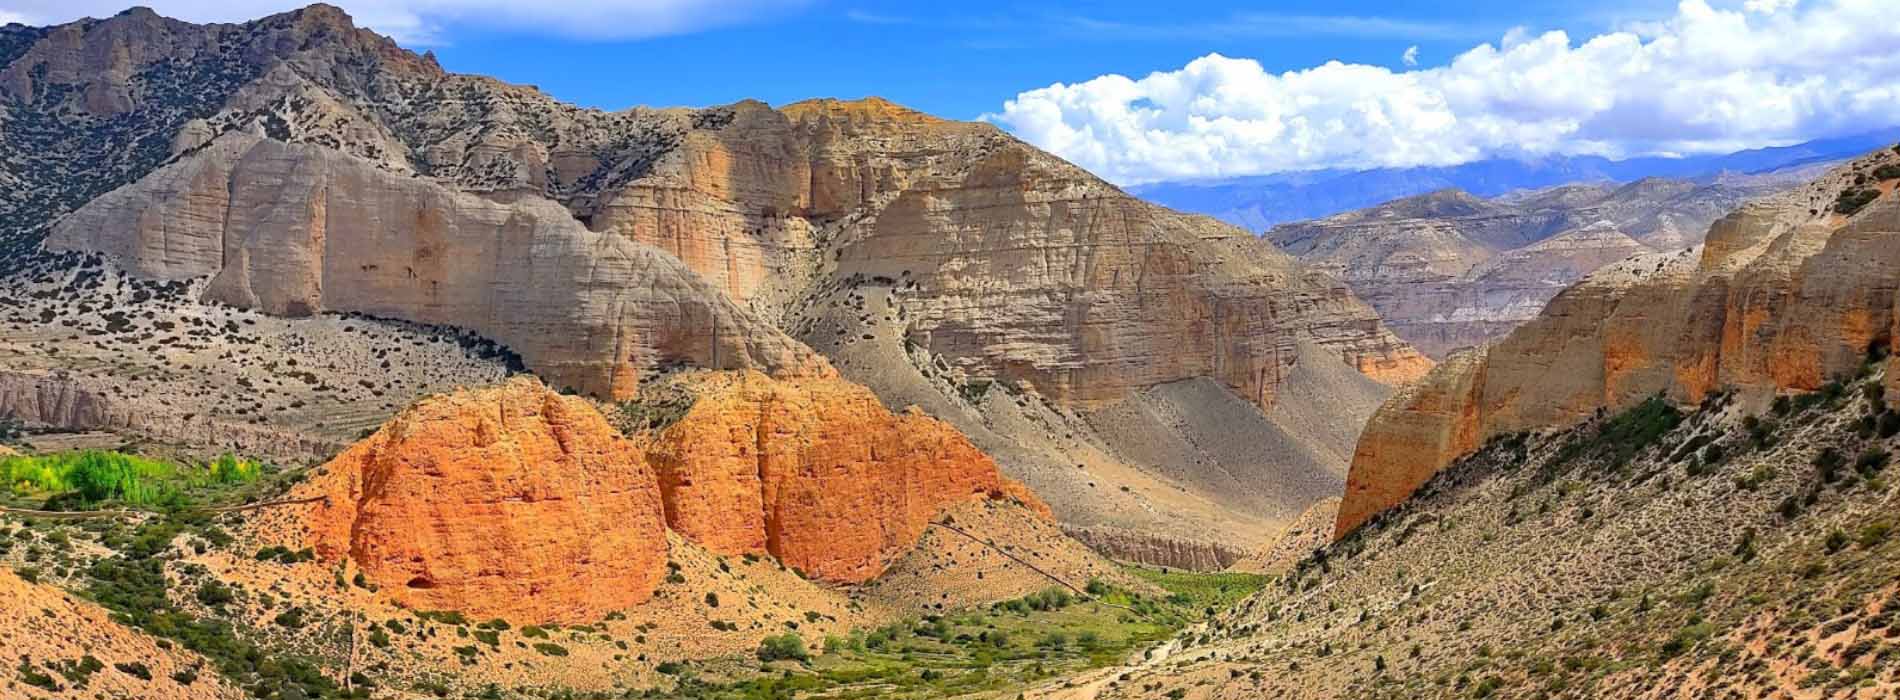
pixel 1425 426
pixel 1118 294
pixel 814 472
pixel 64 402
pixel 1785 296
pixel 1153 550
pixel 295 230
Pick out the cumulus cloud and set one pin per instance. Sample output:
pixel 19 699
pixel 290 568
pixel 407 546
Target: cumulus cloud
pixel 1704 80
pixel 424 22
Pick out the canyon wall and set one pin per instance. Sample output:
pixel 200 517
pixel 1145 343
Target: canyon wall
pixel 67 403
pixel 295 230
pixel 1788 293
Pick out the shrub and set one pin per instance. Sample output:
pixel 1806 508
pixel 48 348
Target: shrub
pixel 1851 202
pixel 214 594
pixel 1871 461
pixel 1836 541
pixel 784 647
pixel 1872 535
pixel 1828 465
pixel 550 649
pixel 1889 171
pixel 712 599
pixel 135 670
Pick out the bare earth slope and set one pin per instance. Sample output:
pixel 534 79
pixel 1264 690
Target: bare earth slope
pixel 1653 554
pixel 49 634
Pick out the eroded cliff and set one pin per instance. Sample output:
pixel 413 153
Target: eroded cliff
pixel 814 472
pixel 511 501
pixel 296 230
pixel 1788 293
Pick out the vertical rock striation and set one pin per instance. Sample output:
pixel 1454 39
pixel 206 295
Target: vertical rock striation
pixel 814 472
pixel 295 230
pixel 511 502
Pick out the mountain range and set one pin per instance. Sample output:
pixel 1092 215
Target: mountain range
pixel 1261 202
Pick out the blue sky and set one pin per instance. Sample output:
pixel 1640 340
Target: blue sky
pixel 1140 91
pixel 964 59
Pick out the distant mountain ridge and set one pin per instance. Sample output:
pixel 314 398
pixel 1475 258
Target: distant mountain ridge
pixel 1448 269
pixel 1261 202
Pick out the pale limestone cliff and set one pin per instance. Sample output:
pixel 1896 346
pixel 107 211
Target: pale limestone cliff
pixel 1155 550
pixel 295 230
pixel 67 403
pixel 780 207
pixel 1789 293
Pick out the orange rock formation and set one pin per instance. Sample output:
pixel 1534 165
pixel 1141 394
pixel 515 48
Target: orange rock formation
pixel 511 501
pixel 815 472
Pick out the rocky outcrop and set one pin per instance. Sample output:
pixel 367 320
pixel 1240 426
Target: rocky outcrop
pixel 295 230
pixel 511 502
pixel 1154 550
pixel 1423 427
pixel 66 403
pixel 1448 270
pixel 814 472
pixel 1788 293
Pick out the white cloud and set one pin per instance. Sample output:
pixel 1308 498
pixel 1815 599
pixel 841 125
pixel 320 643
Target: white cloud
pixel 1411 56
pixel 1704 80
pixel 424 22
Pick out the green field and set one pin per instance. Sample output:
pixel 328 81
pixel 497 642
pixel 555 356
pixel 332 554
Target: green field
pixel 1006 646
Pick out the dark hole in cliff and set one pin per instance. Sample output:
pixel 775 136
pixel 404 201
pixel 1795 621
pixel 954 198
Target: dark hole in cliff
pixel 1879 349
pixel 421 582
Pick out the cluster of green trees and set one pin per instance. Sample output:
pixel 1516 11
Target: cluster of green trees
pixel 91 477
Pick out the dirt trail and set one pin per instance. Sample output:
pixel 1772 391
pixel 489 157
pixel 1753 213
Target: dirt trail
pixel 1089 685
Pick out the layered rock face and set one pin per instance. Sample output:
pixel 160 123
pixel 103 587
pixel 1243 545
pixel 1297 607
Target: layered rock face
pixel 814 472
pixel 60 402
pixel 1788 293
pixel 1159 551
pixel 1119 296
pixel 1448 270
pixel 512 502
pixel 295 230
